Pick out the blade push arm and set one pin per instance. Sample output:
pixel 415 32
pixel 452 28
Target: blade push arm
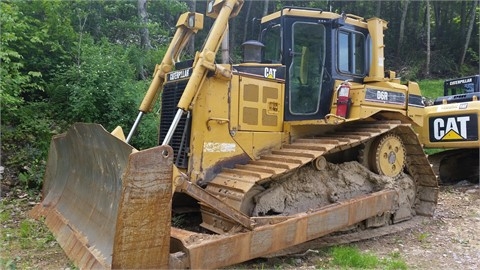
pixel 222 10
pixel 188 24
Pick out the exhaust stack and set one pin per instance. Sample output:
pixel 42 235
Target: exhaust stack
pixel 376 73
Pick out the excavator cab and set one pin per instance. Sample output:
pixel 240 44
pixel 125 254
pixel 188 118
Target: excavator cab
pixel 460 90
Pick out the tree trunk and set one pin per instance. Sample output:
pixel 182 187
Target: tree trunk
pixel 191 42
pixel 82 20
pixel 247 20
pixel 265 8
pixel 438 20
pixel 226 47
pixel 469 32
pixel 427 71
pixel 144 34
pixel 463 17
pixel 379 8
pixel 415 18
pixel 231 34
pixel 402 25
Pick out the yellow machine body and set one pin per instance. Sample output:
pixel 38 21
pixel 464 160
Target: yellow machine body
pixel 238 142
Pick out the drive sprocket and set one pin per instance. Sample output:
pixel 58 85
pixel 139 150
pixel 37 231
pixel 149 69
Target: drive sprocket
pixel 384 155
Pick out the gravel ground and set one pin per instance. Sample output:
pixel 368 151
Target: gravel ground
pixel 449 240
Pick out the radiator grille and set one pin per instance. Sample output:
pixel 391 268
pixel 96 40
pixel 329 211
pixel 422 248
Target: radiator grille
pixel 172 92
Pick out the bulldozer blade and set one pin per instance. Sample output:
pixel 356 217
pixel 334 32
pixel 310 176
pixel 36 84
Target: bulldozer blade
pixel 105 202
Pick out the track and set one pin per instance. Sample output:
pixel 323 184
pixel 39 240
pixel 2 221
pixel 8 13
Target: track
pixel 455 165
pixel 341 239
pixel 237 186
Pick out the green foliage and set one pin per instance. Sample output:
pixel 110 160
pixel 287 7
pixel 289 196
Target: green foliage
pixel 25 137
pixel 9 264
pixel 442 63
pixel 68 61
pixel 37 36
pixel 117 21
pixel 146 135
pixel 471 63
pixel 29 29
pixel 431 88
pixel 411 71
pixel 12 79
pixel 101 89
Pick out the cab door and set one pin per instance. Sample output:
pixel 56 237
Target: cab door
pixel 307 96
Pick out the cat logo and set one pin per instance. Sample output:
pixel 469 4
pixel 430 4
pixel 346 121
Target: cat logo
pixel 270 73
pixel 454 128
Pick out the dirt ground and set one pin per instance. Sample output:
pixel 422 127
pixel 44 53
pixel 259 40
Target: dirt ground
pixel 449 240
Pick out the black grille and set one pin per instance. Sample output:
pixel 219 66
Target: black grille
pixel 180 142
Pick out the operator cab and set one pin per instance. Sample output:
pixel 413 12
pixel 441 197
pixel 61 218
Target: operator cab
pixel 317 48
pixel 460 90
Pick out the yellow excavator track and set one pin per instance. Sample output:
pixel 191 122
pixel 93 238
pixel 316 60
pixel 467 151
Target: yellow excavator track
pixel 455 165
pixel 238 186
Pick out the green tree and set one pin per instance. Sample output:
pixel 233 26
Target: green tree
pixel 35 38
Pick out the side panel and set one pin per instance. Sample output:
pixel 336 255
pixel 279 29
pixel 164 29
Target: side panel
pixel 415 108
pixel 211 145
pixel 225 109
pixel 369 99
pixel 257 143
pixel 452 125
pixel 260 105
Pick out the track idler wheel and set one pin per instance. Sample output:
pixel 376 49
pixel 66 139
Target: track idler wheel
pixel 384 155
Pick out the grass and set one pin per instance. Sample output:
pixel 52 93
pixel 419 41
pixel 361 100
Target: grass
pixel 338 257
pixel 431 88
pixel 347 257
pixel 422 237
pixel 23 241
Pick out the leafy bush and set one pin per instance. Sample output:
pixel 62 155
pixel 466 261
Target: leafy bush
pixel 104 89
pixel 100 88
pixel 25 139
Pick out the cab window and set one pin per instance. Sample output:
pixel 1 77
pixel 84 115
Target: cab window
pixel 272 41
pixel 351 52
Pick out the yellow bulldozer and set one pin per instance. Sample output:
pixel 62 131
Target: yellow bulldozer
pixel 452 122
pixel 308 136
